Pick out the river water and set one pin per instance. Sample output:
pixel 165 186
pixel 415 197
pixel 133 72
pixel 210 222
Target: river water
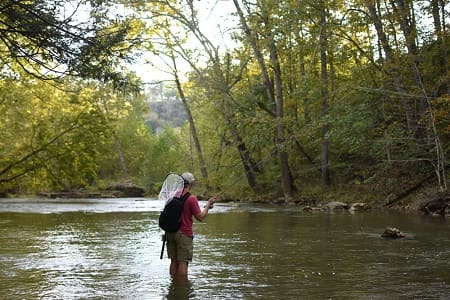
pixel 110 248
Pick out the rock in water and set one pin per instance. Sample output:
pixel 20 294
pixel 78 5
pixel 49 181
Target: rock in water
pixel 392 232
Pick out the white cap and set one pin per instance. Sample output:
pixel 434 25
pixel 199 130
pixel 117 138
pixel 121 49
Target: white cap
pixel 188 177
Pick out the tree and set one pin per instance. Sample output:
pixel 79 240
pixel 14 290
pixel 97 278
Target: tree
pixel 215 79
pixel 56 135
pixel 397 31
pixel 275 96
pixel 51 39
pixel 184 100
pixel 324 90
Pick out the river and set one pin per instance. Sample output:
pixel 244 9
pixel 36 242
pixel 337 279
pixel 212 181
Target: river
pixel 110 248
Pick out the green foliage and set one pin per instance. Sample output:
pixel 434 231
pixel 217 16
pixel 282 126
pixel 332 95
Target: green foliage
pixel 45 132
pixel 60 140
pixel 383 113
pixel 165 154
pixel 50 39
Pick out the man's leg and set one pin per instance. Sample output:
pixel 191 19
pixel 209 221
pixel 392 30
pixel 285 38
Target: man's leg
pixel 185 248
pixel 172 253
pixel 182 268
pixel 173 267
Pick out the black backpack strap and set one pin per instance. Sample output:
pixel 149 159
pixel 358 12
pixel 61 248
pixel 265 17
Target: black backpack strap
pixel 185 197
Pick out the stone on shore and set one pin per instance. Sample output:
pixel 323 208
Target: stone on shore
pixel 335 205
pixel 359 207
pixel 126 189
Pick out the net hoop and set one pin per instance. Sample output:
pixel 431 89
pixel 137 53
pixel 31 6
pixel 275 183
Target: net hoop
pixel 172 187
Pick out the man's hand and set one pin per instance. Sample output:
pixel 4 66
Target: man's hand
pixel 211 202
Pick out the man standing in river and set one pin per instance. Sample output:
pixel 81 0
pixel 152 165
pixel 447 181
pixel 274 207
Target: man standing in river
pixel 180 244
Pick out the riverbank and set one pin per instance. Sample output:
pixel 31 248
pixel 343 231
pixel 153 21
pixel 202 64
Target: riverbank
pixel 416 196
pixel 421 197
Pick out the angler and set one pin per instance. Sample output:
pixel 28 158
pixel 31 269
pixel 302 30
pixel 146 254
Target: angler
pixel 180 240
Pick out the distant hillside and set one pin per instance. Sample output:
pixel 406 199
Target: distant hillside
pixel 165 108
pixel 166 113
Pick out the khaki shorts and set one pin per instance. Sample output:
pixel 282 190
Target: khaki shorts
pixel 180 246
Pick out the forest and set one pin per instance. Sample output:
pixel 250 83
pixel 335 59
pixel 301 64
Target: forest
pixel 294 101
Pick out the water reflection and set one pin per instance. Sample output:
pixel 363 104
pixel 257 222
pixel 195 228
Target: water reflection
pixel 180 288
pixel 94 250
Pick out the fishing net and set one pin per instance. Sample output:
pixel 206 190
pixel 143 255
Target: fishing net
pixel 172 187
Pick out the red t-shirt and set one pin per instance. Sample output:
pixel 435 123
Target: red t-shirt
pixel 191 208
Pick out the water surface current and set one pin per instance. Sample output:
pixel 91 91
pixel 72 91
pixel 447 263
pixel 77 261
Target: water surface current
pixel 110 249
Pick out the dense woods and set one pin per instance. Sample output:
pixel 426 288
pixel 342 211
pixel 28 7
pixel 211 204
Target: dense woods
pixel 305 99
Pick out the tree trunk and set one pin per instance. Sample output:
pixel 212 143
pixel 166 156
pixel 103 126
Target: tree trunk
pixel 392 70
pixel 280 139
pixel 405 16
pixel 324 95
pixel 306 113
pixel 249 165
pixel 117 146
pixel 223 87
pixel 197 144
pixel 277 99
pixel 123 165
pixel 382 38
pixel 436 17
pixel 259 57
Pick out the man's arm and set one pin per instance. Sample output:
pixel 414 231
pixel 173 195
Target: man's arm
pixel 204 212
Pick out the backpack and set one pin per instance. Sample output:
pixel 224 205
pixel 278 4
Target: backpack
pixel 170 217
